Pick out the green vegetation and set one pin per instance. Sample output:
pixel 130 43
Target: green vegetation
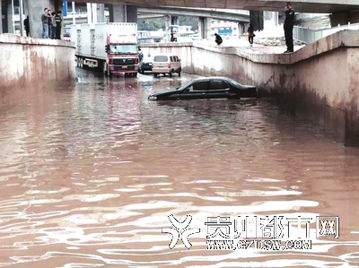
pixel 160 23
pixel 191 21
pixel 151 24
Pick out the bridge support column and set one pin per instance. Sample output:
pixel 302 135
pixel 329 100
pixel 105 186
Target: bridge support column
pixel 170 30
pixel 9 16
pixel 131 13
pixel 343 18
pixel 123 13
pixel 95 13
pixel 35 9
pixel 91 13
pixel 117 13
pixel 101 13
pixel 203 27
pixel 6 12
pixel 3 16
pixel 1 30
pixel 167 27
pixel 257 20
pixel 174 20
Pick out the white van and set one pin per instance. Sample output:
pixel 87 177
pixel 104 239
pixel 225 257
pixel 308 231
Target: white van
pixel 166 64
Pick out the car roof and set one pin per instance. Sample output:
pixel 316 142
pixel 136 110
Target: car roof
pixel 205 79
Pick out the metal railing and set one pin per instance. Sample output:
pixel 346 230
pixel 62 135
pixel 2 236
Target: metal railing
pixel 309 36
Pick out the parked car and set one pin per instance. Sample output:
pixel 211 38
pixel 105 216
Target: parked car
pixel 166 64
pixel 209 87
pixel 146 64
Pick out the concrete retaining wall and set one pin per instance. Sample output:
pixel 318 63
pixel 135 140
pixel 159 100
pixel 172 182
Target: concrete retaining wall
pixel 323 73
pixel 27 61
pixel 328 68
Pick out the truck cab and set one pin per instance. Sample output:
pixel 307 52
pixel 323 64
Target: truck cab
pixel 122 54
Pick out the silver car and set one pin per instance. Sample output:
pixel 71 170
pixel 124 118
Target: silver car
pixel 166 64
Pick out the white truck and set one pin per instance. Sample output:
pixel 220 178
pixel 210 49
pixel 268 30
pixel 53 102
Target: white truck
pixel 110 47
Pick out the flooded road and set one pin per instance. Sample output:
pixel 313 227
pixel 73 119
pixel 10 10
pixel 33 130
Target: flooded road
pixel 90 173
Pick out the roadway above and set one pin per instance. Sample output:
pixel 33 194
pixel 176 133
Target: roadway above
pixel 308 6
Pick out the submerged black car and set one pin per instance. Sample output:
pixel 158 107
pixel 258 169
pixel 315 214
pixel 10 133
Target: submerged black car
pixel 209 87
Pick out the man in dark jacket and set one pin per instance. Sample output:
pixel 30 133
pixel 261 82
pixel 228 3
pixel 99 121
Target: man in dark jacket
pixel 45 23
pixel 51 22
pixel 58 20
pixel 27 26
pixel 288 27
pixel 251 34
pixel 218 39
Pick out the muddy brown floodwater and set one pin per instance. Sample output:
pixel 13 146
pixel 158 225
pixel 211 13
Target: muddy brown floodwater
pixel 90 173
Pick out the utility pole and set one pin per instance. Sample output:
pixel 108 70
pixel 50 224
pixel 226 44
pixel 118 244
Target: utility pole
pixel 73 13
pixel 89 13
pixel 94 13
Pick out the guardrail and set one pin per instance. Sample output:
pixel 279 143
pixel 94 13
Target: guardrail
pixel 309 36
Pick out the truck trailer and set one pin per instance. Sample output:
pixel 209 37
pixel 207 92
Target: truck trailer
pixel 109 47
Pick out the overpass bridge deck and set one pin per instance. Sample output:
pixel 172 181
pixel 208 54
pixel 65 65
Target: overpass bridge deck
pixel 309 6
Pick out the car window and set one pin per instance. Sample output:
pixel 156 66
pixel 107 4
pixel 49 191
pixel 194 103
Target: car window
pixel 201 85
pixel 176 59
pixel 217 84
pixel 160 59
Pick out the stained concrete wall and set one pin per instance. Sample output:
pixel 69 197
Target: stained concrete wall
pixel 30 61
pixel 320 74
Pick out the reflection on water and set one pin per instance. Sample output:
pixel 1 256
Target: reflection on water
pixel 90 172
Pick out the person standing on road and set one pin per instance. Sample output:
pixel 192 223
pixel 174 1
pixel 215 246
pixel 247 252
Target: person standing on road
pixel 288 27
pixel 45 23
pixel 58 20
pixel 218 39
pixel 140 54
pixel 251 34
pixel 27 26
